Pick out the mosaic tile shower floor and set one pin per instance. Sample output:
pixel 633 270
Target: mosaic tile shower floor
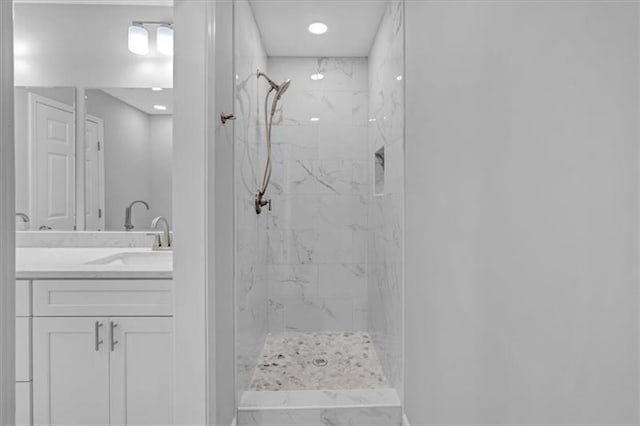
pixel 318 360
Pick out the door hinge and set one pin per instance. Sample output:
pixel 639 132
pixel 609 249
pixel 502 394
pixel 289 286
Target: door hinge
pixel 99 146
pixel 99 213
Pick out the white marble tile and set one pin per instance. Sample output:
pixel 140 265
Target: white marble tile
pixel 342 142
pixel 336 212
pixel 321 193
pixel 356 396
pixel 335 176
pixel 346 281
pixel 303 178
pixel 83 239
pixel 334 246
pixel 300 246
pixel 385 215
pixel 354 416
pixel 360 108
pixel 251 292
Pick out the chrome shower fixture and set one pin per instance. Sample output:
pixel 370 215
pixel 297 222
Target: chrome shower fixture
pixel 279 89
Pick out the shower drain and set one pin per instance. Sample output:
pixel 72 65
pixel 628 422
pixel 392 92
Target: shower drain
pixel 320 362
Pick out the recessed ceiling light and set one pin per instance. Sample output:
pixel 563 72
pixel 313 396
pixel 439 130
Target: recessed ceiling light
pixel 399 78
pixel 157 89
pixel 318 28
pixel 160 107
pixel 317 76
pixel 371 120
pixel 314 119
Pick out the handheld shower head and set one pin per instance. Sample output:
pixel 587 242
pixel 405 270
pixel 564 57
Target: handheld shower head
pixel 279 88
pixel 282 88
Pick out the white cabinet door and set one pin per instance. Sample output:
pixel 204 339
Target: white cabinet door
pixel 141 371
pixel 70 371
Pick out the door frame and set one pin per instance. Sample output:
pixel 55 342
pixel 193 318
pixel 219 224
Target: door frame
pixel 7 219
pixel 194 279
pixel 33 101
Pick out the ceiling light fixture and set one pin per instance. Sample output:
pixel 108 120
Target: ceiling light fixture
pixel 316 76
pixel 164 39
pixel 160 107
pixel 138 39
pixel 314 119
pixel 157 89
pixel 318 28
pixel 399 78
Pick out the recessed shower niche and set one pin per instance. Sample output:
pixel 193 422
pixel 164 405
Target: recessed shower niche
pixel 319 291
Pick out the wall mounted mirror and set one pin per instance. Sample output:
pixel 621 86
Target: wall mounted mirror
pixel 92 136
pixel 127 151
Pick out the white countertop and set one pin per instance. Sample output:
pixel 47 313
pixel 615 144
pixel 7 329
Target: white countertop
pixel 74 263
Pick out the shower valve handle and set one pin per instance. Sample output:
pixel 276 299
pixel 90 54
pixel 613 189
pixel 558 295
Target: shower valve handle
pixel 261 202
pixel 225 117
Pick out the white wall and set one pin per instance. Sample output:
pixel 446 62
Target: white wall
pixel 160 169
pixel 127 159
pixel 7 212
pixel 86 45
pixel 193 306
pixel 221 235
pixel 521 212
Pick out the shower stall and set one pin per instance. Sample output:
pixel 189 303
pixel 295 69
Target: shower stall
pixel 318 274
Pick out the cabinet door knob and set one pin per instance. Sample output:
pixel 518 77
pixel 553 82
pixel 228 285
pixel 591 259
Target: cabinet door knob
pixel 114 342
pixel 97 335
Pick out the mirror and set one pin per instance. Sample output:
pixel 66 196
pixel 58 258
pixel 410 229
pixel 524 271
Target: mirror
pixel 89 141
pixel 129 154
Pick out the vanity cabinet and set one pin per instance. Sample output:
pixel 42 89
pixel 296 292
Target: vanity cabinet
pixel 100 371
pixel 94 361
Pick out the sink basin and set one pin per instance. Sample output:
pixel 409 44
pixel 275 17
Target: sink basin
pixel 151 258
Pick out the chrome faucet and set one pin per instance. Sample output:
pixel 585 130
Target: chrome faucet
pixel 127 214
pixel 24 217
pixel 162 241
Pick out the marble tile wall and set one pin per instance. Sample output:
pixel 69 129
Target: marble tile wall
pixel 317 231
pixel 385 213
pixel 250 234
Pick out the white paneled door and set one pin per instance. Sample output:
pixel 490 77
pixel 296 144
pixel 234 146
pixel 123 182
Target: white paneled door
pixel 53 149
pixel 94 174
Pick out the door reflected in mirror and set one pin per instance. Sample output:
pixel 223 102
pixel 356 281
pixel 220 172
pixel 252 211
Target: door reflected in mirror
pixel 127 150
pixel 129 154
pixel 45 154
